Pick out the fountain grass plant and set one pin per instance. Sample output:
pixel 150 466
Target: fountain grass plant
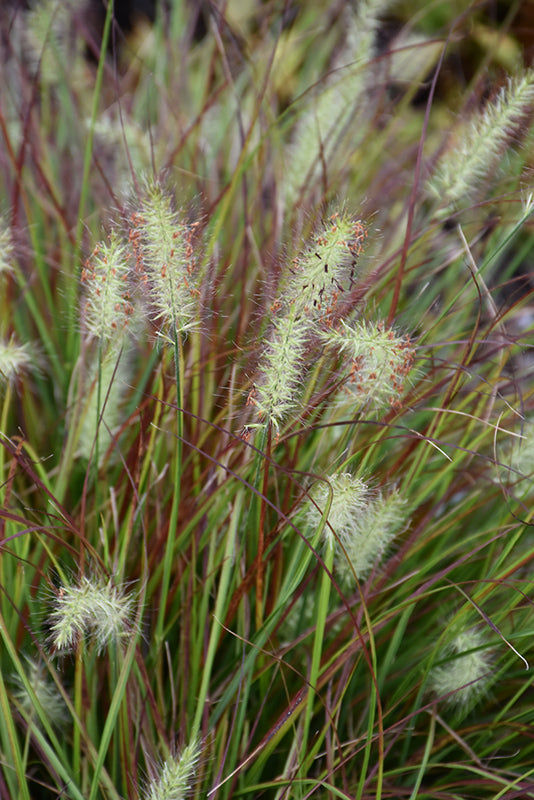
pixel 265 407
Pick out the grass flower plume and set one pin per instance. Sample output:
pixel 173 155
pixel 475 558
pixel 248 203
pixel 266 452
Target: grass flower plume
pixel 522 462
pixel 465 674
pixel 371 533
pixel 361 523
pixel 326 268
pixel 480 144
pixel 281 369
pixel 6 248
pixel 166 260
pixel 49 38
pixel 318 278
pixel 14 359
pixel 258 437
pixel 93 609
pixel 176 776
pixel 105 277
pixel 45 691
pixel 349 498
pixel 340 104
pixel 379 362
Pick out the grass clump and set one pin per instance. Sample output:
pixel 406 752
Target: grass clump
pixel 266 404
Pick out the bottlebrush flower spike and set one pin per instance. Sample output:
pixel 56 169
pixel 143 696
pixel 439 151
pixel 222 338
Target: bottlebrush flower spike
pixel 371 533
pixel 379 362
pixel 165 260
pixel 326 268
pixel 49 41
pixel 107 308
pixel 465 675
pixel 6 248
pixel 481 144
pixel 349 499
pixel 176 776
pixel 44 690
pixel 92 608
pixel 14 359
pixel 281 369
pixel 522 462
pixel 318 277
pixel 341 107
pixel 361 523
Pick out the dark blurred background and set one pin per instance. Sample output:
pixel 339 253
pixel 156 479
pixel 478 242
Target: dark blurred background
pixel 520 14
pixel 514 17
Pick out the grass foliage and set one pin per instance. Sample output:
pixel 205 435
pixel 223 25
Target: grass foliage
pixel 266 404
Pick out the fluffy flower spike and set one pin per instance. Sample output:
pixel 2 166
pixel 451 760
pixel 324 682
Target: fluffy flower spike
pixel 479 147
pixel 91 608
pixel 326 268
pixel 344 100
pixel 523 462
pixel 364 522
pixel 379 362
pixel 14 359
pixel 6 248
pixel 45 691
pixel 175 778
pixel 349 499
pixel 465 675
pixel 105 276
pixel 319 276
pixel 281 369
pixel 165 259
pixel 50 40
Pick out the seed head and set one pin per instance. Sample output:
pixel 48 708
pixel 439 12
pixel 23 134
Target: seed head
pixel 44 690
pixel 175 778
pixel 361 523
pixel 6 248
pixel 92 608
pixel 49 40
pixel 325 270
pixel 481 143
pixel 523 462
pixel 465 674
pixel 281 368
pixel 107 308
pixel 14 359
pixel 331 123
pixel 372 533
pixel 164 249
pixel 378 363
pixel 349 499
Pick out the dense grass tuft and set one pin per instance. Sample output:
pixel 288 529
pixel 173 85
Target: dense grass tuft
pixel 266 404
